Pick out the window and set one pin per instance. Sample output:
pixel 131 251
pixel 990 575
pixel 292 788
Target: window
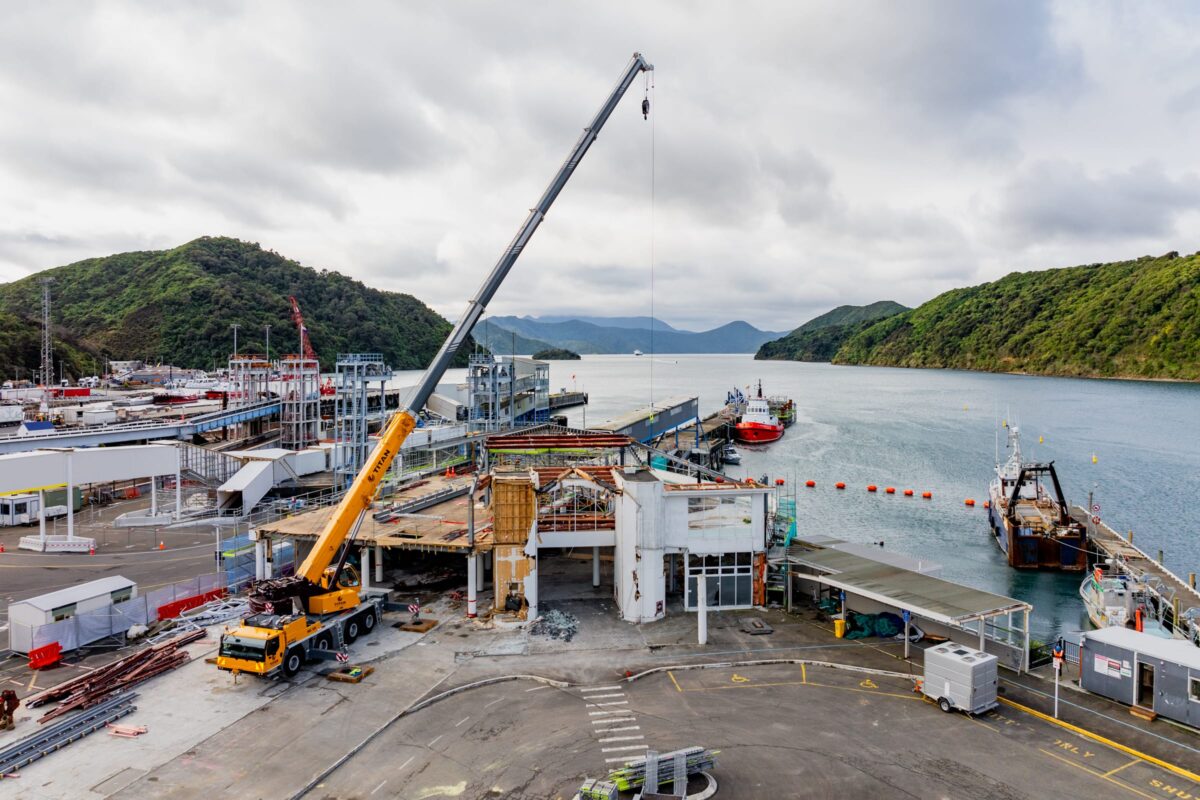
pixel 1195 690
pixel 242 647
pixel 62 612
pixel 19 508
pixel 715 512
pixel 726 580
pixel 121 595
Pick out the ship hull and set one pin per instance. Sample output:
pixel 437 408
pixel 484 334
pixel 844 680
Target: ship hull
pixel 757 432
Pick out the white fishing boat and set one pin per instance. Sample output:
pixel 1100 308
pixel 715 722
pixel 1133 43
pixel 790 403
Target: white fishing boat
pixel 1116 599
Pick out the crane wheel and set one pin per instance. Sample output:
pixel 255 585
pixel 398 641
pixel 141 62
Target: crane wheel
pixel 351 631
pixel 293 660
pixel 323 642
pixel 368 620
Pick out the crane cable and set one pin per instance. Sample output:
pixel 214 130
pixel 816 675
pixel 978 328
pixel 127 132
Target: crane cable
pixel 645 113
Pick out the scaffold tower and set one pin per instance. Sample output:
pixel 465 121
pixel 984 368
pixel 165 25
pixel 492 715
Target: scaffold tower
pixel 299 402
pixel 355 373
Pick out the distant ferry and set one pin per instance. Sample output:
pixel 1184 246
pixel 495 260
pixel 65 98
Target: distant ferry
pixel 758 425
pixel 637 352
pixel 1033 528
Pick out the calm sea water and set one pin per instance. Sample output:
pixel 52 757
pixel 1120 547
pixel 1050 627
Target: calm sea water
pixel 936 430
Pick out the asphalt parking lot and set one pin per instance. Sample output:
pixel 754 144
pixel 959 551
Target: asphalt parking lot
pixel 782 731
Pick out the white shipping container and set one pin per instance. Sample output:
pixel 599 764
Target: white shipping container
pixel 11 414
pixel 99 417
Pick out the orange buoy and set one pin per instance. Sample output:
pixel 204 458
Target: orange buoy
pixel 779 481
pixel 986 504
pixel 890 490
pixel 908 492
pixel 810 484
pixel 969 502
pixel 872 487
pixel 927 495
pixel 840 485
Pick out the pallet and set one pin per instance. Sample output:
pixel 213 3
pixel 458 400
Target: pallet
pixel 350 674
pixel 424 626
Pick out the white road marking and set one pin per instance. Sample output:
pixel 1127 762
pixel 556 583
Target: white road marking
pixel 464 719
pixel 613 703
pixel 614 711
pixel 622 738
pixel 612 721
pixel 406 763
pixel 602 696
pixel 497 700
pixel 380 786
pixel 537 688
pixel 600 689
pixel 614 730
pixel 620 760
pixel 622 747
pixel 435 741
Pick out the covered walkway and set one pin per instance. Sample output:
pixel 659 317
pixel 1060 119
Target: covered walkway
pixel 880 583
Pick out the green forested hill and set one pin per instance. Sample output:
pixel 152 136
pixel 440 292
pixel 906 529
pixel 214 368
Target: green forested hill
pixel 1134 319
pixel 176 306
pixel 820 338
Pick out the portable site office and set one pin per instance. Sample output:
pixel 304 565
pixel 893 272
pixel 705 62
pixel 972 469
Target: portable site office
pixel 1143 670
pixel 26 616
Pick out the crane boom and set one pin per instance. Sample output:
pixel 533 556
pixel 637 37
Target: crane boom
pixel 359 496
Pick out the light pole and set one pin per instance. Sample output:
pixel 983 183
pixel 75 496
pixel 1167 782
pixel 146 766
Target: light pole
pixel 235 327
pixel 268 327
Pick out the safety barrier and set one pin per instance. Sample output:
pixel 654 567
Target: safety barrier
pixel 177 607
pixel 45 656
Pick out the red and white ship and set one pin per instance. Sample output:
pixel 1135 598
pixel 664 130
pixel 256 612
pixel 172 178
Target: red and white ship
pixel 758 425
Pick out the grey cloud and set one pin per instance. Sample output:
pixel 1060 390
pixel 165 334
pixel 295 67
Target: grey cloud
pixel 1057 199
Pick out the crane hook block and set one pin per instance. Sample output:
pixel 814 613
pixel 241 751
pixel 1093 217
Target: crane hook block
pixel 645 108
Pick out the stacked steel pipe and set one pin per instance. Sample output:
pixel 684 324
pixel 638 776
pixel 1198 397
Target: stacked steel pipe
pixel 96 687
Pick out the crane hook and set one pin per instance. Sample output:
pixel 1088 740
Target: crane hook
pixel 646 108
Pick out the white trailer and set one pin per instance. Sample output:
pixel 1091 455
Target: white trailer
pixel 960 677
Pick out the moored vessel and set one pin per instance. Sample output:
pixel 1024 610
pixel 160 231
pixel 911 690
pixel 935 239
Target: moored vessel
pixel 1033 527
pixel 1117 599
pixel 757 424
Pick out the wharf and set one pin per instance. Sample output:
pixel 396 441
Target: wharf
pixel 1169 587
pixel 714 429
pixel 567 400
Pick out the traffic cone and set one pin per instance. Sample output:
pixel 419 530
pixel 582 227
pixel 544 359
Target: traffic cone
pixel 92 550
pixel 1 548
pixel 162 545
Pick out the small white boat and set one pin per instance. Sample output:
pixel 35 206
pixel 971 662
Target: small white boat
pixel 637 352
pixel 1115 599
pixel 730 455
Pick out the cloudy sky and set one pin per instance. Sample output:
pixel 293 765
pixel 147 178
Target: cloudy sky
pixel 804 155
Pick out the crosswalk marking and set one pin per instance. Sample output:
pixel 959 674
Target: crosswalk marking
pixel 612 721
pixel 610 703
pixel 622 738
pixel 618 760
pixel 620 748
pixel 626 728
pixel 599 689
pixel 602 696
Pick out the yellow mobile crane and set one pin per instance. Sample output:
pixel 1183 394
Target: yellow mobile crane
pixel 324 608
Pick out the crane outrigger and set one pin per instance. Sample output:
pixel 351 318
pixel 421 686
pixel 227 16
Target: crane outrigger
pixel 326 608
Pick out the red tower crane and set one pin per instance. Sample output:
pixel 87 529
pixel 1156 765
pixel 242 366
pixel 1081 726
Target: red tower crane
pixel 298 318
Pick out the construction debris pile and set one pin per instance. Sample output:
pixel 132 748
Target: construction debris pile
pixel 633 774
pixel 96 687
pixel 556 624
pixel 59 735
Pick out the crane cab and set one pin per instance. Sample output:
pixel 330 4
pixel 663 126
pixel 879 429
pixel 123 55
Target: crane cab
pixel 342 597
pixel 262 642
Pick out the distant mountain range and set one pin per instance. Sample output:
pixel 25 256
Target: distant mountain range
pixel 1127 319
pixel 620 335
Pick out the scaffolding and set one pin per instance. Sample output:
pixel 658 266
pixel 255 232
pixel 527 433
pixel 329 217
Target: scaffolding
pixel 250 382
pixel 506 392
pixel 355 374
pixel 300 402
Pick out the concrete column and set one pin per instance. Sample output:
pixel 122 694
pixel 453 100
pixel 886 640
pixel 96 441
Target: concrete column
pixel 595 566
pixel 531 590
pixel 379 564
pixel 702 609
pixel 178 484
pixel 42 515
pixel 472 584
pixel 70 501
pixel 153 496
pixel 269 552
pixel 481 562
pixel 260 559
pixel 366 567
pixel 1026 656
pixel 982 631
